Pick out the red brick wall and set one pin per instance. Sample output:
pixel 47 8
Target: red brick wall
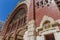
pixel 30 14
pixel 51 11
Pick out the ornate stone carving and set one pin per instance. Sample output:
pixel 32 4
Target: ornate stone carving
pixel 48 25
pixel 29 34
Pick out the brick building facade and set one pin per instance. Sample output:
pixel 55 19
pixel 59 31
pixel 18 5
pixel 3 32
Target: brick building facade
pixel 34 20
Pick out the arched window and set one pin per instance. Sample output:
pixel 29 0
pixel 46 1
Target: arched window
pixel 22 15
pixel 19 35
pixel 19 13
pixel 11 37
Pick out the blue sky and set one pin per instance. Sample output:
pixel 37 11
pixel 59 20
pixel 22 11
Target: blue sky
pixel 6 7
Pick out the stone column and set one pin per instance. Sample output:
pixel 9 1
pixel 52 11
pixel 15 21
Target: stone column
pixel 57 35
pixel 40 38
pixel 29 34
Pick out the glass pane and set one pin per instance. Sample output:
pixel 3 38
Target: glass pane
pixel 21 12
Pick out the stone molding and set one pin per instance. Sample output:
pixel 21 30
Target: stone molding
pixel 52 22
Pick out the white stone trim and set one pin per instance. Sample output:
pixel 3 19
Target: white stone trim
pixel 29 34
pixel 53 30
pixel 58 21
pixel 57 35
pixel 43 20
pixel 40 38
pixel 50 30
pixel 30 22
pixel 46 18
pixel 27 2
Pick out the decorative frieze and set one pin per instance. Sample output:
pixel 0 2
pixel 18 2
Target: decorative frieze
pixel 46 22
pixel 43 3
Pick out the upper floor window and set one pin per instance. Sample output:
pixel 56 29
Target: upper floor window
pixel 20 13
